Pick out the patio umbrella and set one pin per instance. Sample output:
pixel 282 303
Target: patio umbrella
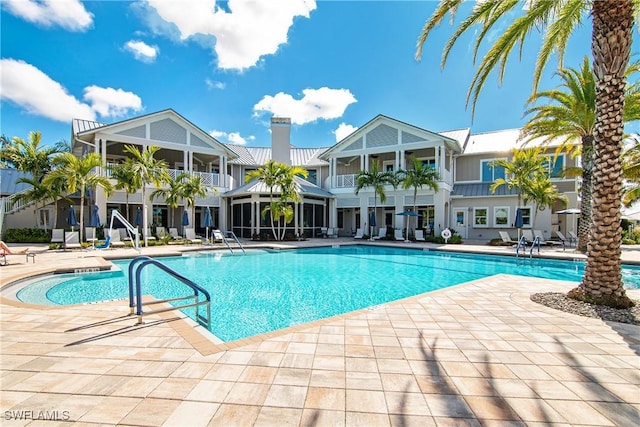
pixel 408 214
pixel 185 218
pixel 519 221
pixel 207 221
pixel 372 224
pixel 95 217
pixel 138 220
pixel 71 219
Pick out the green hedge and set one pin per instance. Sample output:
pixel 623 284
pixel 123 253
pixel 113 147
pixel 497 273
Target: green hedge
pixel 28 235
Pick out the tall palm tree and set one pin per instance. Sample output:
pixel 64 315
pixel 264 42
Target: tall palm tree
pixel 150 170
pixel 79 175
pixel 417 177
pixel 172 194
pixel 543 194
pixel 377 179
pixel 268 175
pixel 570 116
pixel 289 192
pixel 126 179
pixel 30 156
pixel 525 167
pixel 192 187
pixel 612 23
pixel 40 193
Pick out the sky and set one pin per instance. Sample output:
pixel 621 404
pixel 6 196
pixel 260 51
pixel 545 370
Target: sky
pixel 228 67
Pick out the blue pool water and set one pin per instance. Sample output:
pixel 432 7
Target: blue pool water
pixel 269 290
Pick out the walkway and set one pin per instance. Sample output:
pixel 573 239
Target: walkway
pixel 475 354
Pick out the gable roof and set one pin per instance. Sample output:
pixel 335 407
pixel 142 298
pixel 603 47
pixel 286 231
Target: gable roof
pixel 84 130
pixel 411 132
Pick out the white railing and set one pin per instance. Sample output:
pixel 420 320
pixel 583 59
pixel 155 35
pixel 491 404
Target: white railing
pixel 345 181
pixel 208 179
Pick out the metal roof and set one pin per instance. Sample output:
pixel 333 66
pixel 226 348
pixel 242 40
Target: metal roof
pixel 481 189
pixel 258 156
pixel 304 188
pixel 8 184
pixel 503 141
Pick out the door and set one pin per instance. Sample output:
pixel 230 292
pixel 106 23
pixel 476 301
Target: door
pixel 461 221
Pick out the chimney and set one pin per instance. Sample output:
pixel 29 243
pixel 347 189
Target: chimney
pixel 281 140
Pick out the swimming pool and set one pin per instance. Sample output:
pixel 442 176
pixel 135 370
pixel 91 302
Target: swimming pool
pixel 269 290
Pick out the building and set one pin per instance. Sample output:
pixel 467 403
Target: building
pixel 463 201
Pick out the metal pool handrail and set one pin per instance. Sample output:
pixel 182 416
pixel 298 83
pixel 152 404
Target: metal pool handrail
pixel 135 298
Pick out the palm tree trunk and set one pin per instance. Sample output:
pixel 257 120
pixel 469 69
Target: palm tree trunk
pixel 585 193
pixel 82 189
pixel 611 42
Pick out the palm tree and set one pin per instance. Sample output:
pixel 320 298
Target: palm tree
pixel 150 171
pixel 126 179
pixel 288 193
pixel 525 167
pixel 543 194
pixel 417 177
pixel 79 175
pixel 268 175
pixel 30 156
pixel 40 193
pixel 172 194
pixel 612 24
pixel 376 179
pixel 193 187
pixel 570 116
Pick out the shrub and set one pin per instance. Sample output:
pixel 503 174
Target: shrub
pixel 28 235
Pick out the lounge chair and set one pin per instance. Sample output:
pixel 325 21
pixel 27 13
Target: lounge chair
pixel 359 234
pixel 528 235
pixel 190 236
pixel 150 236
pixel 57 235
pixel 573 237
pixel 382 233
pixel 173 232
pixel 116 242
pixel 72 240
pixel 419 235
pixel 161 232
pixel 124 235
pixel 562 237
pixel 542 240
pixel 332 233
pixel 217 236
pixel 90 235
pixel 397 234
pixel 506 239
pixel 5 250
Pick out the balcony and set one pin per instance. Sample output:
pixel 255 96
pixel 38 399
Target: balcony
pixel 208 179
pixel 345 181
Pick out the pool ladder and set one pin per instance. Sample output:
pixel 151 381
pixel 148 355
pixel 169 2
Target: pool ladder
pixel 522 243
pixel 233 236
pixel 135 292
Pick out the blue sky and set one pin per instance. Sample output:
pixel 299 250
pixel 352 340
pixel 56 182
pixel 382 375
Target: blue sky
pixel 329 65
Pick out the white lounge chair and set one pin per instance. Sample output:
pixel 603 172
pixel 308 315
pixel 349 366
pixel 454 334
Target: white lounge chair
pixel 506 239
pixel 72 240
pixel 382 233
pixel 116 242
pixel 541 239
pixel 528 235
pixel 57 235
pixel 217 236
pixel 332 233
pixel 359 234
pixel 124 235
pixel 161 232
pixel 173 232
pixel 148 234
pixel 397 234
pixel 190 236
pixel 419 235
pixel 562 238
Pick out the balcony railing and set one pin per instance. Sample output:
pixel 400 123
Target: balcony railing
pixel 345 181
pixel 208 179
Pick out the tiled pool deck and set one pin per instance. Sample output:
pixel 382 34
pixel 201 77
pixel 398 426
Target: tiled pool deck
pixel 476 354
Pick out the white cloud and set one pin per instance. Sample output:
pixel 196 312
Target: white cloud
pixel 343 131
pixel 231 138
pixel 109 102
pixel 315 104
pixel 244 30
pixel 211 84
pixel 68 14
pixel 34 91
pixel 142 51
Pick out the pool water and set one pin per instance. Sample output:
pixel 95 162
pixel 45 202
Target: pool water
pixel 269 290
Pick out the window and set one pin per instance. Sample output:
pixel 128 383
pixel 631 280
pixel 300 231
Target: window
pixel 480 217
pixel 429 163
pixel 526 217
pixel 387 166
pixel 554 166
pixel 490 172
pixel 501 216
